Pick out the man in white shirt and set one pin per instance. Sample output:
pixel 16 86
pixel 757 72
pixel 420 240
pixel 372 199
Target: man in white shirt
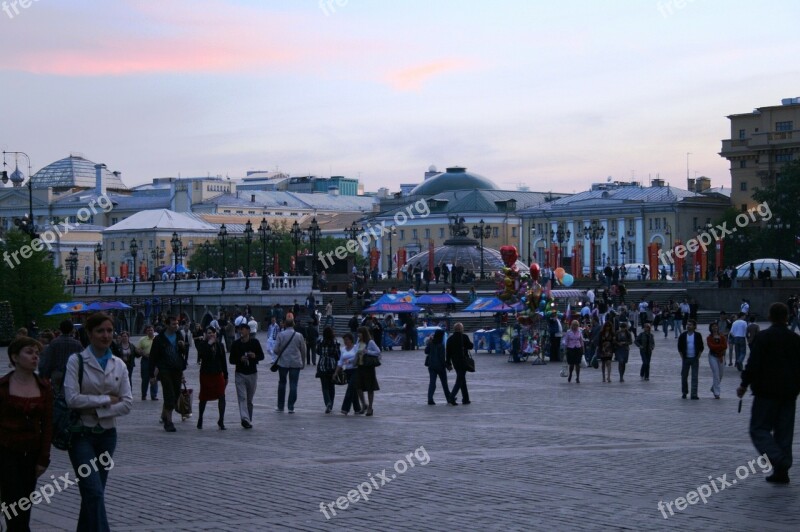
pixel 738 337
pixel 690 346
pixel 253 324
pixel 745 308
pixel 643 306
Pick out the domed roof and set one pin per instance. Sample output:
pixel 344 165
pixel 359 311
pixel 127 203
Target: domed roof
pixel 468 256
pixel 455 178
pixel 74 171
pixel 17 176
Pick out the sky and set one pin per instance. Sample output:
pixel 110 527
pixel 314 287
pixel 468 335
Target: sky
pixel 551 95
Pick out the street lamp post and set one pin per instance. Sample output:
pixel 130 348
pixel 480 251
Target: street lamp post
pixel 481 231
pixel 314 236
pixel 593 233
pixel 391 257
pixel 668 232
pixel 248 239
pixel 157 254
pixel 222 236
pixel 622 251
pixel 98 253
pixel 265 234
pixel 297 238
pixel 560 235
pixel 134 249
pixel 177 248
pixel 72 262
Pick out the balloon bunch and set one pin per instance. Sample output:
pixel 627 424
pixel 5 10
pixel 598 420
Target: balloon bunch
pixel 510 276
pixel 537 299
pixel 562 277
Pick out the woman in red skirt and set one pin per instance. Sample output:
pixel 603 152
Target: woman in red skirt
pixel 213 375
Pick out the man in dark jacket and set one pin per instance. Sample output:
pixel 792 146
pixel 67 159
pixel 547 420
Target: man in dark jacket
pixel 773 371
pixel 167 365
pixel 246 352
pixel 690 346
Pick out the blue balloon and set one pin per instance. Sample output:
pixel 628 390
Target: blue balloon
pixel 568 280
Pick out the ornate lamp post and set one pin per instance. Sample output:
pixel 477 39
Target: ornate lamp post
pixel 265 234
pixel 297 238
pixel 481 231
pixel 530 243
pixel 157 254
pixel 248 239
pixel 622 250
pixel 391 256
pixel 177 248
pixel 222 236
pixel 98 253
pixel 593 233
pixel 314 235
pixel 72 263
pixel 560 236
pixel 134 249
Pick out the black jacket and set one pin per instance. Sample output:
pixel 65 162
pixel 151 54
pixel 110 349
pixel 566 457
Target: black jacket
pixel 164 356
pixel 699 344
pixel 773 369
pixel 457 347
pixel 212 358
pixel 239 348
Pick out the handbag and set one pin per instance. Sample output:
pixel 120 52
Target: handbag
pixel 184 404
pixel 371 361
pixel 469 362
pixel 274 367
pixel 66 421
pixel 340 378
pixel 595 363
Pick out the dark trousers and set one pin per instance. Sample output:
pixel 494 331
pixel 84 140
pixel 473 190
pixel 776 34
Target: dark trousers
pixel 85 448
pixel 693 364
pixel 645 371
pixel 555 347
pixel 460 384
pixel 311 353
pixel 442 375
pixel 17 480
pixel 171 387
pixel 350 396
pixel 328 389
pixel 294 375
pixel 144 366
pixel 772 429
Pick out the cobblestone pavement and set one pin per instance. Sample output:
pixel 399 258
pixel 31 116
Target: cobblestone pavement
pixel 531 452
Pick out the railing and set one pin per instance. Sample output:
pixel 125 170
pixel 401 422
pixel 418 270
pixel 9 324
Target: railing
pixel 233 285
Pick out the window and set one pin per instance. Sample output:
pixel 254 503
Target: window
pixel 742 164
pixel 694 222
pixel 414 234
pixel 741 133
pixel 743 186
pixel 441 232
pixel 163 244
pixel 495 232
pixel 783 157
pixel 744 207
pixel 73 219
pixel 427 233
pixel 122 245
pixel 113 245
pixel 402 234
pixel 513 231
pixel 150 244
pixel 658 224
pixel 650 220
pixel 114 221
pixel 783 126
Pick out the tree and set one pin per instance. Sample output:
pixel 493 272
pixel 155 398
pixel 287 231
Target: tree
pixel 780 198
pixel 31 286
pixel 6 323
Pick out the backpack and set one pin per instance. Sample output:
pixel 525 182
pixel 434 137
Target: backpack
pixel 65 419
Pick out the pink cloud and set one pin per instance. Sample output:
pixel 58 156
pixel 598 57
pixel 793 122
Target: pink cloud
pixel 412 79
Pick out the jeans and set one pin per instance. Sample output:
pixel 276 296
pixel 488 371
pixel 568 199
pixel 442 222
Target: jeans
pixel 350 396
pixel 693 364
pixel 645 371
pixel 17 480
pixel 460 384
pixel 245 390
pixel 328 389
pixel 294 375
pixel 717 366
pixel 740 342
pixel 85 455
pixel 311 353
pixel 442 374
pixel 145 373
pixel 677 326
pixel 772 429
pixel 171 386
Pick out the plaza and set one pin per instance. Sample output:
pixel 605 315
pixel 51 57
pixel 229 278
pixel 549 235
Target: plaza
pixel 532 452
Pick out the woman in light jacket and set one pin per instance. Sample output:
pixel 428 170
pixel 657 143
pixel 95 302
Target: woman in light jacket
pixel 367 380
pixel 347 364
pixel 104 394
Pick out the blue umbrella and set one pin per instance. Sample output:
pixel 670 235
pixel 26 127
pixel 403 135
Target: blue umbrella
pixel 181 269
pixel 66 308
pixel 107 305
pixel 385 308
pixel 488 304
pixel 437 299
pixel 400 297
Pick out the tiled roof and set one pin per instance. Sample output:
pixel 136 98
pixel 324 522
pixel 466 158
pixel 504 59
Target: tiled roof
pixel 162 219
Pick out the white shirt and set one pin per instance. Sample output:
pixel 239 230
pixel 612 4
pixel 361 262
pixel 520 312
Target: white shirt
pixel 643 306
pixel 253 324
pixel 347 360
pixel 745 308
pixel 739 329
pixel 684 308
pixel 239 321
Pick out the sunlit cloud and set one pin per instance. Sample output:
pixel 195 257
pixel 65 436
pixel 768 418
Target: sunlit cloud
pixel 412 79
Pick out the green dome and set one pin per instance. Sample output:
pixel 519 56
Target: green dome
pixel 455 178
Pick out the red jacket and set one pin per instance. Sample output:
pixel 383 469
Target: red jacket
pixel 21 432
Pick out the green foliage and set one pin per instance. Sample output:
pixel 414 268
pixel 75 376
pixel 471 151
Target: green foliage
pixel 6 323
pixel 777 238
pixel 31 287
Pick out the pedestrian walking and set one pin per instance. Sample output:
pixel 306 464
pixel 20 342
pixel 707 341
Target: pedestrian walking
pixel 347 365
pixel 213 375
pixel 167 365
pixel 291 350
pixel 329 353
pixel 246 353
pixel 144 346
pixel 717 345
pixel 457 351
pixel 622 345
pixel 773 372
pixel 738 336
pixel 367 380
pixel 605 349
pixel 575 347
pixel 53 360
pixel 436 361
pixel 690 347
pixel 646 343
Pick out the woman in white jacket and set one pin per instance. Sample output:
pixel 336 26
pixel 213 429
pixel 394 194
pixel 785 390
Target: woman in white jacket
pixel 102 394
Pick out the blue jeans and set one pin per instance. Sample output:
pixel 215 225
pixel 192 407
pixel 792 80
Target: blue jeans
pixel 294 375
pixel 677 326
pixel 145 372
pixel 85 457
pixel 740 344
pixel 350 395
pixel 693 364
pixel 772 429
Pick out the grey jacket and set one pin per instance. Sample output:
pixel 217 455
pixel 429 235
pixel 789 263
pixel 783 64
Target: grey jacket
pixel 294 353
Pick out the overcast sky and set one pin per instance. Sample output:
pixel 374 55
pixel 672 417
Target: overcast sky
pixel 554 95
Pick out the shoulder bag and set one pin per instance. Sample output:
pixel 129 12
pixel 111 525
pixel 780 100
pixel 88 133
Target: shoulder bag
pixel 274 367
pixel 469 362
pixel 66 421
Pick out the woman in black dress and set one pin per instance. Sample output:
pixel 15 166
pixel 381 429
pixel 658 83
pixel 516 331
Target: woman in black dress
pixel 213 375
pixel 329 353
pixel 367 381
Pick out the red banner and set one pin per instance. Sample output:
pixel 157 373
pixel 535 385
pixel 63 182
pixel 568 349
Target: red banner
pixel 678 261
pixel 293 265
pixel 652 259
pixel 401 261
pixel 142 271
pixel 720 253
pixel 102 271
pixel 123 270
pixel 374 258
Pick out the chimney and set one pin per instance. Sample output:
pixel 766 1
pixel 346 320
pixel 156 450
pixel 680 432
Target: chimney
pixel 657 182
pixel 690 184
pixel 100 186
pixel 702 184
